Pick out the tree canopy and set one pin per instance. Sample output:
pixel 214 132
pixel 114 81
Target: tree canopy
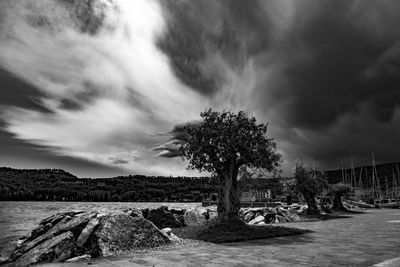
pixel 226 136
pixel 309 183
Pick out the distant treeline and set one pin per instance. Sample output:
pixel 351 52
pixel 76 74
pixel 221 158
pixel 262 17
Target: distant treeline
pixel 59 185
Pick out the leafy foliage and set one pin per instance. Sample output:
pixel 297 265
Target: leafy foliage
pixel 310 184
pixel 224 136
pixel 340 188
pixel 307 180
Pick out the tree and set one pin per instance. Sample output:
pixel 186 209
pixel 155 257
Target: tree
pixel 338 191
pixel 310 184
pixel 223 142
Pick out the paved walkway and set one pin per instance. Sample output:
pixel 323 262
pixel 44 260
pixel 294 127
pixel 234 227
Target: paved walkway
pixel 363 240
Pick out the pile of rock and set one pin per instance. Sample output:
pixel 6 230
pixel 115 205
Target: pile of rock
pixel 68 235
pixel 78 235
pixel 174 218
pixel 269 215
pixel 300 209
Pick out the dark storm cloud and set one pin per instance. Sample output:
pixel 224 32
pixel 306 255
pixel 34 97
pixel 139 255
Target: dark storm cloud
pixel 328 57
pixel 171 149
pixel 339 85
pixel 328 73
pixel 199 29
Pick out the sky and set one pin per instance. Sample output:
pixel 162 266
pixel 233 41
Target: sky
pixel 103 87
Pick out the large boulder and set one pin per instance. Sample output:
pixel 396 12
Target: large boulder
pixel 269 217
pixel 86 232
pixel 280 219
pixel 57 249
pixel 249 216
pixel 195 217
pixel 163 219
pixel 67 223
pixel 121 233
pixel 134 212
pixel 290 216
pixel 257 220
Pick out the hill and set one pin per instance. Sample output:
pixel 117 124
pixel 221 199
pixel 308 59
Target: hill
pixel 59 185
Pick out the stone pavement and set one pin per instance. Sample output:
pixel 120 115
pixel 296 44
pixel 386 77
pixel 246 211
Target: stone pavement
pixel 363 240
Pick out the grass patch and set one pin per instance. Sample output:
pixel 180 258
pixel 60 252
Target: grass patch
pixel 235 231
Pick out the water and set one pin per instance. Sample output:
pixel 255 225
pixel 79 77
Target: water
pixel 18 218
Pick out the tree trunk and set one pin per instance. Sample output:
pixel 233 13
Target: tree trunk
pixel 311 203
pixel 337 203
pixel 289 200
pixel 228 198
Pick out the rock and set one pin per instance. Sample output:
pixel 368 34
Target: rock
pixel 59 216
pixel 162 218
pixel 120 233
pixel 177 211
pixel 257 220
pixel 261 223
pixel 53 219
pixel 145 213
pixel 40 230
pixel 202 211
pixel 269 217
pixel 279 219
pixel 3 260
pixel 174 238
pixel 249 216
pixel 56 249
pixel 302 209
pixel 259 213
pixel 134 212
pixel 84 257
pixel 212 216
pixel 253 210
pixel 212 209
pixel 29 244
pixel 195 217
pixel 84 235
pixel 290 216
pixel 75 225
pixel 167 231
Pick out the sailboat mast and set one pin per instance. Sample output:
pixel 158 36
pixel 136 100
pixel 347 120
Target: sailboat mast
pixel 360 183
pixel 342 171
pixel 394 185
pixel 373 175
pixel 387 187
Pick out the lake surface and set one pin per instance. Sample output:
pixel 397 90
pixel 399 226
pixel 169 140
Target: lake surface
pixel 18 218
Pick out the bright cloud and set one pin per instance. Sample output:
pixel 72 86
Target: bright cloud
pixel 119 86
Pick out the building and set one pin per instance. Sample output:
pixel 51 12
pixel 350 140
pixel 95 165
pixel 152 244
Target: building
pixel 255 195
